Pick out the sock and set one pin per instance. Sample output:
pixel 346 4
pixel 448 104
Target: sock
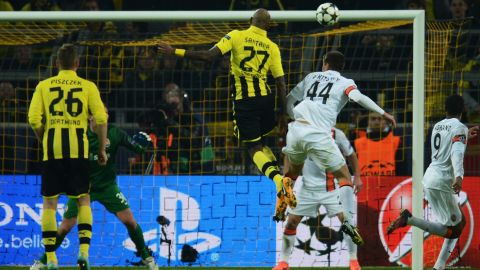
pixel 268 168
pixel 268 152
pixel 447 248
pixel 347 199
pixel 288 241
pixel 84 228
pixel 431 227
pixel 137 237
pixel 58 242
pixel 49 232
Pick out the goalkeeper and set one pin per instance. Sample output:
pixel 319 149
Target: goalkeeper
pixel 104 189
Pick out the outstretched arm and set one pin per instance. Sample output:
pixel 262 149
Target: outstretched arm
pixel 368 104
pixel 205 55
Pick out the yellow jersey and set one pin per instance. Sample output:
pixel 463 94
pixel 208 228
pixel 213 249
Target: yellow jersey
pixel 253 54
pixel 64 102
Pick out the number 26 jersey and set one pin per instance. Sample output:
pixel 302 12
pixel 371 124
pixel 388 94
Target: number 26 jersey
pixel 64 102
pixel 322 96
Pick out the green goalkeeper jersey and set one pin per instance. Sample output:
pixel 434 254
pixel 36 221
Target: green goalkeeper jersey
pixel 105 176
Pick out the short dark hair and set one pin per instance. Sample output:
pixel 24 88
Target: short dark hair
pixel 454 105
pixel 335 60
pixel 66 55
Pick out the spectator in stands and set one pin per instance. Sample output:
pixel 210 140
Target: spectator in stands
pixel 378 148
pixel 458 9
pixel 41 5
pixel 5 6
pixel 7 102
pixel 97 27
pixel 415 4
pixel 471 89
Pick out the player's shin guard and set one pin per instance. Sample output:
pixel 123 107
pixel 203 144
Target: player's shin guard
pixel 269 168
pixel 49 233
pixel 84 228
pixel 288 242
pixel 137 238
pixel 447 248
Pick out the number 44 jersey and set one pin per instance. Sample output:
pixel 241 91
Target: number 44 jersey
pixel 322 96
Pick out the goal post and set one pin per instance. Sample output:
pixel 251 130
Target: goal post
pixel 418 17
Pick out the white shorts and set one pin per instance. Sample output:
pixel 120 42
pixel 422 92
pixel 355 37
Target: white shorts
pixel 305 140
pixel 444 206
pixel 308 203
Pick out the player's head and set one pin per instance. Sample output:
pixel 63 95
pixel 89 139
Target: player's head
pixel 67 57
pixel 454 106
pixel 261 19
pixel 333 60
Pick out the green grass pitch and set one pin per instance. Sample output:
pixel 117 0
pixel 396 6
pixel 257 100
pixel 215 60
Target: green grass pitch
pixel 202 268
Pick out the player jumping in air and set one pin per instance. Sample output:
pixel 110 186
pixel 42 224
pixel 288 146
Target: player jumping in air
pixel 105 190
pixel 64 101
pixel 317 190
pixel 322 96
pixel 442 180
pixel 253 54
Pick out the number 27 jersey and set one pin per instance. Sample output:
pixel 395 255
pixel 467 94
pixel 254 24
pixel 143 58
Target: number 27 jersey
pixel 322 96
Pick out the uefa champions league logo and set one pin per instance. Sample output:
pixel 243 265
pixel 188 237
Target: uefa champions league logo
pixel 182 229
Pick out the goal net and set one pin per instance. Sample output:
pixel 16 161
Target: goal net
pixel 215 208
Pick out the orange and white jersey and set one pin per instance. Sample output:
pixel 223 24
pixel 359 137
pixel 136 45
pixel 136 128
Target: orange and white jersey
pixel 448 142
pixel 322 96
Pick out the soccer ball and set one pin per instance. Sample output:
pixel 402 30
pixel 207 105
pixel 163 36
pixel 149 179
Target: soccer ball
pixel 327 14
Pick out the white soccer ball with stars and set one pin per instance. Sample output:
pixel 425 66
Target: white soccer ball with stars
pixel 327 14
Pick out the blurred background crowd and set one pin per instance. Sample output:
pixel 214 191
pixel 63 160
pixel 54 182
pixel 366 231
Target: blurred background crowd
pixel 184 104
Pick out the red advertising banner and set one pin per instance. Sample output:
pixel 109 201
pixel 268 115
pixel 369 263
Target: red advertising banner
pixel 380 202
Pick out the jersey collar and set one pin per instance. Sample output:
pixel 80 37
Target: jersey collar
pixel 257 30
pixel 67 72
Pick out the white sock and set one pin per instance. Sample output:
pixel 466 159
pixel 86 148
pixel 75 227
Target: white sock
pixel 447 248
pixel 431 227
pixel 348 200
pixel 349 204
pixel 288 242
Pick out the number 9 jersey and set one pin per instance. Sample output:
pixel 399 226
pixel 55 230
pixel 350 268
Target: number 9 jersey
pixel 322 96
pixel 448 136
pixel 64 102
pixel 253 54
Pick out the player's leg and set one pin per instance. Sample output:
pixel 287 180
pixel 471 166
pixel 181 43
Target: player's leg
pixel 451 220
pixel 49 229
pixel 288 241
pixel 78 187
pixel 68 222
pixel 447 249
pixel 116 203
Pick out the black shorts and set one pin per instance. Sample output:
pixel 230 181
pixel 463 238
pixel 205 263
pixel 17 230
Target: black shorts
pixel 254 117
pixel 65 176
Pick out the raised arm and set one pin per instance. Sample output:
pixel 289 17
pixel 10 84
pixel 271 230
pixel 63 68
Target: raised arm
pixel 205 55
pixel 368 104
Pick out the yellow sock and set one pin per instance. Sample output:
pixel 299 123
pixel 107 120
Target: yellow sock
pixel 49 234
pixel 268 152
pixel 268 168
pixel 84 228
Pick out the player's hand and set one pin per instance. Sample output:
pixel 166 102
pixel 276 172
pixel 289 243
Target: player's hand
pixel 102 157
pixel 473 132
pixel 457 184
pixel 165 48
pixel 390 119
pixel 357 184
pixel 142 139
pixel 282 125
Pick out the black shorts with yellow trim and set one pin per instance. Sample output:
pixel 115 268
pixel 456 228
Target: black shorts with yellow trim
pixel 65 176
pixel 254 117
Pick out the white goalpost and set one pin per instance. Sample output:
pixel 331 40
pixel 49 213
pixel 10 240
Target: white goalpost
pixel 418 17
